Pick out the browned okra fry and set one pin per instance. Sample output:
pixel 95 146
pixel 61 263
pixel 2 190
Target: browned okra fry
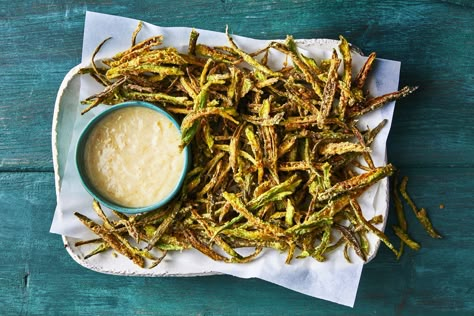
pixel 370 135
pixel 340 148
pixel 293 93
pixel 98 74
pixel 210 232
pixel 213 180
pixel 270 144
pixel 347 76
pixel 257 151
pixel 360 217
pixel 357 164
pixel 112 240
pixel 131 227
pixel 157 261
pixel 198 245
pixel 234 148
pixel 359 81
pixel 351 240
pixel 135 33
pixel 104 94
pixel 89 241
pixel 136 50
pixel 286 145
pixel 377 102
pixel 365 154
pixel 329 91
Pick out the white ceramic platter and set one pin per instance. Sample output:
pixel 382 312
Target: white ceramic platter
pixel 68 103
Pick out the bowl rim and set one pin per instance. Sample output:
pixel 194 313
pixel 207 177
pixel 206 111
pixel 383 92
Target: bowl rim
pixel 79 152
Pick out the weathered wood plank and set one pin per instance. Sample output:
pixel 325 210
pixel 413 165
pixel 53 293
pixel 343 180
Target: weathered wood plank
pixel 38 277
pixel 432 39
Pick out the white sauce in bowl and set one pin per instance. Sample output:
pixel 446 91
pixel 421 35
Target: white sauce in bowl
pixel 132 156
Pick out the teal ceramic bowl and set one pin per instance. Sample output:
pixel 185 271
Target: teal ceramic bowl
pixel 80 163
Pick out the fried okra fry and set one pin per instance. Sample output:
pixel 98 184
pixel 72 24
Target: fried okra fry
pixel 274 151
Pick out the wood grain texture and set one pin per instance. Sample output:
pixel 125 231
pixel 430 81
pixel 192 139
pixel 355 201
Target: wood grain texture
pixel 431 141
pixel 38 277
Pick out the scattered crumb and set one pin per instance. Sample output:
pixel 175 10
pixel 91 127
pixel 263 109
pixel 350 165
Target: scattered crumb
pixel 441 206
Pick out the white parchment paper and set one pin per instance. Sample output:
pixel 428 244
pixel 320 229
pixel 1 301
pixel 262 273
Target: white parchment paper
pixel 334 280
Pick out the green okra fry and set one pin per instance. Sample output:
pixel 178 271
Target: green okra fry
pixel 421 214
pixel 287 187
pixel 318 252
pixel 402 222
pixel 96 207
pixel 357 182
pixel 257 151
pixel 101 248
pixel 309 69
pixel 199 104
pixel 346 253
pixel 165 225
pixel 402 234
pixel 215 54
pixel 227 113
pixel 193 37
pixel 249 59
pixel 290 212
pixel 240 208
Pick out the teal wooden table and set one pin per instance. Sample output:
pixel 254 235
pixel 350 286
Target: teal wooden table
pixel 431 141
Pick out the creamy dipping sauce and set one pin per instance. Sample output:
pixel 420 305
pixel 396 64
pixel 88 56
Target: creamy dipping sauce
pixel 132 156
